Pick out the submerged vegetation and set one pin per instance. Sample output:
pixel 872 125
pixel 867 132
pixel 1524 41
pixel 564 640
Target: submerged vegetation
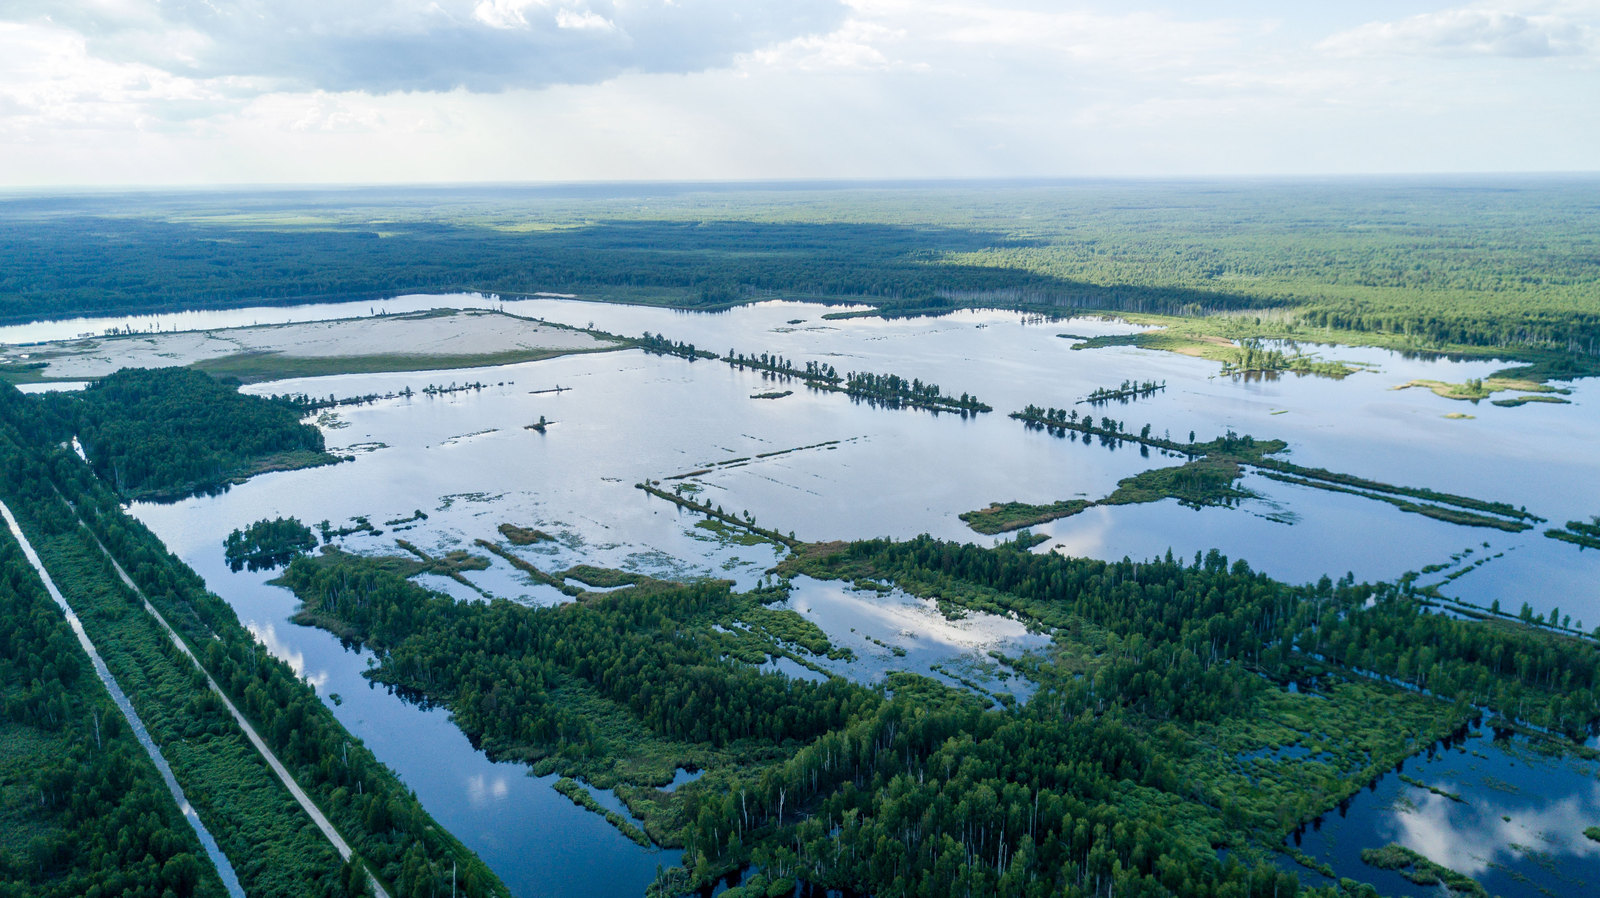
pixel 1420 870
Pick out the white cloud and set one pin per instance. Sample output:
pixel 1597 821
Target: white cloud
pixel 382 46
pixel 459 90
pixel 1471 31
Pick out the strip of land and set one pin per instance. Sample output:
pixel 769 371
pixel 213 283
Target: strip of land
pixel 423 341
pixel 1209 474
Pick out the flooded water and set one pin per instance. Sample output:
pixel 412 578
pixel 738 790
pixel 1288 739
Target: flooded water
pixel 1508 816
pixel 469 461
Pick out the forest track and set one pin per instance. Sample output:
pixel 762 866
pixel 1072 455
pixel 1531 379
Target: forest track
pixel 219 859
pixel 277 767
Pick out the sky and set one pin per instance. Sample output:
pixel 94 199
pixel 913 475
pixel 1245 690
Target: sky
pixel 211 92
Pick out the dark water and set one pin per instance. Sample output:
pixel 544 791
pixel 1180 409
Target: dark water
pixel 468 461
pixel 1517 831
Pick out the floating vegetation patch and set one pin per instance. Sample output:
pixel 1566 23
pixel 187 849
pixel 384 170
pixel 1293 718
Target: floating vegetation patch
pixel 461 438
pixel 358 524
pixel 524 536
pixel 414 517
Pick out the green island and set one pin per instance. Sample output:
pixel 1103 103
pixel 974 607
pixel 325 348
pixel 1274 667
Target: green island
pixel 267 544
pixel 82 533
pixel 1209 476
pixel 1253 358
pixel 1240 356
pixel 1579 533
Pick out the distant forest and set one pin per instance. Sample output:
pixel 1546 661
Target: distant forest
pixel 1509 263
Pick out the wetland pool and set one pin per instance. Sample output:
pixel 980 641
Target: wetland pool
pixel 468 460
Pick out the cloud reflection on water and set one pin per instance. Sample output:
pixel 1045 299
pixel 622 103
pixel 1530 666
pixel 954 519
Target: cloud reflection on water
pixel 1470 837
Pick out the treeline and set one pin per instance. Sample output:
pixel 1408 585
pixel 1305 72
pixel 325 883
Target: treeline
pixel 894 391
pixel 64 265
pixel 657 344
pixel 821 373
pixel 169 432
pixel 1485 265
pixel 390 832
pixel 888 390
pixel 1127 391
pixel 495 664
pixel 85 812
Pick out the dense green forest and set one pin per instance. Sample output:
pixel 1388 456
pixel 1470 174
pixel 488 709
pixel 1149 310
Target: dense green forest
pixel 69 514
pixel 266 544
pixel 82 809
pixel 1119 775
pixel 168 432
pixel 1420 263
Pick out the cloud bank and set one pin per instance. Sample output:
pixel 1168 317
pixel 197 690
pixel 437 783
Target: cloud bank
pixel 384 46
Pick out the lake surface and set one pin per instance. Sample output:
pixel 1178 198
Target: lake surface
pixel 468 460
